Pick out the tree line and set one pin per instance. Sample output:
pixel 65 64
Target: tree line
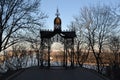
pixel 98 28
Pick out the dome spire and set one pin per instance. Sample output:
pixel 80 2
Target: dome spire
pixel 57 12
pixel 57 22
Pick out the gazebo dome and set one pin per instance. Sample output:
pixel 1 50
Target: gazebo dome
pixel 57 21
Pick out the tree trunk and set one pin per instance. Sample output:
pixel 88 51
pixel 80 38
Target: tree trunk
pixel 1 31
pixel 0 40
pixel 64 57
pixel 98 64
pixel 78 54
pixel 38 58
pixel 48 56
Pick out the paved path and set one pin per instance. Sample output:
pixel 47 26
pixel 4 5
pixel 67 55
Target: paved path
pixel 58 74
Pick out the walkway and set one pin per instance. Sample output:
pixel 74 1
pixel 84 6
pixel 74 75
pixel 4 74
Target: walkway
pixel 58 74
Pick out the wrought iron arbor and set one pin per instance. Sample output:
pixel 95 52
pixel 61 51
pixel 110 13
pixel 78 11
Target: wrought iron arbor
pixel 57 35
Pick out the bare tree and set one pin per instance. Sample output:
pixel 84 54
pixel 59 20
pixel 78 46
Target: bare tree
pixel 17 19
pixel 81 53
pixel 97 22
pixel 35 45
pixel 19 52
pixel 114 46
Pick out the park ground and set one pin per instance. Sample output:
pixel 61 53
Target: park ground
pixel 56 73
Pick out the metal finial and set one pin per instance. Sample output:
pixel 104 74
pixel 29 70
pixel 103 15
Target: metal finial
pixel 57 13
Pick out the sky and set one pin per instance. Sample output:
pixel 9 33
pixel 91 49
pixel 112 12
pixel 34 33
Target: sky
pixel 67 9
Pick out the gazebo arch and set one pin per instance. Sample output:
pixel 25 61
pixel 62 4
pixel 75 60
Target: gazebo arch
pixel 65 37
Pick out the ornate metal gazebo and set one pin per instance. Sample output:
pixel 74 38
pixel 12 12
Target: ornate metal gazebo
pixel 57 35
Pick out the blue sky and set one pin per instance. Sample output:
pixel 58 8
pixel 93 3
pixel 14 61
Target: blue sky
pixel 68 9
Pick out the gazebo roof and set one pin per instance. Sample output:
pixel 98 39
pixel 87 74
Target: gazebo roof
pixel 50 34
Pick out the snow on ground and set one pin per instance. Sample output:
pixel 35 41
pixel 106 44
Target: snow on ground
pixel 30 60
